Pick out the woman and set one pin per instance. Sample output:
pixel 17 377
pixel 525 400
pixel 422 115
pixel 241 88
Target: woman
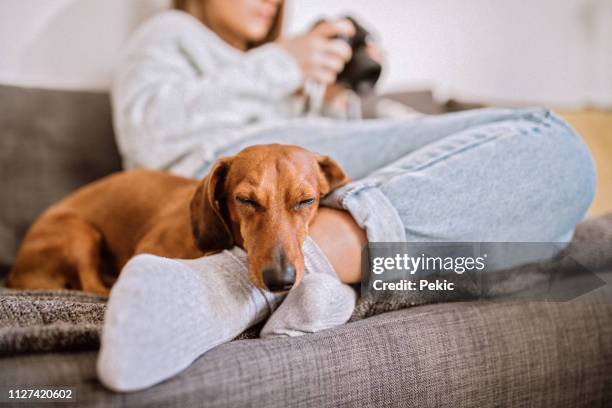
pixel 214 76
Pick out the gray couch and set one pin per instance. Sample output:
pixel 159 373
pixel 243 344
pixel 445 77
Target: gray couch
pixel 479 353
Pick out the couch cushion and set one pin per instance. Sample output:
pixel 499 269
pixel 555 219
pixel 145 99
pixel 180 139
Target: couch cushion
pixel 541 354
pixel 51 142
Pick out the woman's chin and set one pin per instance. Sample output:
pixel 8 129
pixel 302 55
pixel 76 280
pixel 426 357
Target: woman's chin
pixel 257 34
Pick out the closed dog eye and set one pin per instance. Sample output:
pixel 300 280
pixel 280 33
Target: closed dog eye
pixel 304 203
pixel 249 202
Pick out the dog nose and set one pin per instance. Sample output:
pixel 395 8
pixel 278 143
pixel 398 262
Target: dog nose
pixel 279 279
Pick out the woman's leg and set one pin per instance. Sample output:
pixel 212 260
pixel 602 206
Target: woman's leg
pixel 482 175
pixel 164 313
pixel 361 147
pixel 525 179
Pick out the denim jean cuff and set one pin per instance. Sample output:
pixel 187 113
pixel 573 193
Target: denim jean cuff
pixel 371 209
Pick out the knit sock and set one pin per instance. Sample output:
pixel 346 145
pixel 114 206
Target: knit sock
pixel 320 302
pixel 164 313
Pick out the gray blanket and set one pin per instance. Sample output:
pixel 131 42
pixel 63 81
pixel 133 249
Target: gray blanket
pixel 71 320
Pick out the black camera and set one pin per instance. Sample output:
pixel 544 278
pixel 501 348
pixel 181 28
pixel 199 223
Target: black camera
pixel 361 72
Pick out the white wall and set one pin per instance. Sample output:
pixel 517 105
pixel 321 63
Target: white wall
pixel 541 51
pixel 66 43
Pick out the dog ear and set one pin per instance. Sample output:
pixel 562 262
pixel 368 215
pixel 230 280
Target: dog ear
pixel 209 223
pixel 333 175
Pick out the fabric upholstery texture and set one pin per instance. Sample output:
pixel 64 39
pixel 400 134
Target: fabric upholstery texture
pixel 51 142
pixel 452 354
pixel 49 321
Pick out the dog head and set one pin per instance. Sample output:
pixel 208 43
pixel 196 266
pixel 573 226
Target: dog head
pixel 263 199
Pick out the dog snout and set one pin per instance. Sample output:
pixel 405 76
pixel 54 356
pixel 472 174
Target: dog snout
pixel 279 279
pixel 280 276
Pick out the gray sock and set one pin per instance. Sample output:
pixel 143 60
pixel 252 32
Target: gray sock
pixel 164 313
pixel 320 302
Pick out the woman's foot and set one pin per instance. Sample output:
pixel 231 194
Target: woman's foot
pixel 320 302
pixel 164 313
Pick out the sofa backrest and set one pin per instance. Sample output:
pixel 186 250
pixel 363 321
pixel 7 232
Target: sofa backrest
pixel 51 142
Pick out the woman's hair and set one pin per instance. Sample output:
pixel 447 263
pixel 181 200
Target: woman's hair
pixel 194 7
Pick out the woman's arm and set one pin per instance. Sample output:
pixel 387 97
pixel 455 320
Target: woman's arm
pixel 165 101
pixel 178 84
pixel 160 97
pixel 165 90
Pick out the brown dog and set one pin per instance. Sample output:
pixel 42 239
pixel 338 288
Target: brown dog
pixel 262 199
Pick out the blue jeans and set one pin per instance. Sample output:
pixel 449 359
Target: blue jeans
pixel 487 175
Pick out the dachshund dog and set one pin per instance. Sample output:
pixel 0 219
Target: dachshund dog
pixel 262 199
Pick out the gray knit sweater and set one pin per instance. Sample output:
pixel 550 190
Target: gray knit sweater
pixel 180 93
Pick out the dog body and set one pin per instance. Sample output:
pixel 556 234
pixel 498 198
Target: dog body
pixel 103 225
pixel 262 199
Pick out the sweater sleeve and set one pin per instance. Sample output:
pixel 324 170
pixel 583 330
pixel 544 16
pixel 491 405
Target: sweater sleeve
pixel 165 103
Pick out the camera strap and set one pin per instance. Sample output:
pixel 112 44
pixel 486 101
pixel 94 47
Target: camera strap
pixel 314 92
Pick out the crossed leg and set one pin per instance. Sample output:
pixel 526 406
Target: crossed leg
pixel 484 175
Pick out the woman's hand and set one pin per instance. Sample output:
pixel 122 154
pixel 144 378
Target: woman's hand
pixel 319 53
